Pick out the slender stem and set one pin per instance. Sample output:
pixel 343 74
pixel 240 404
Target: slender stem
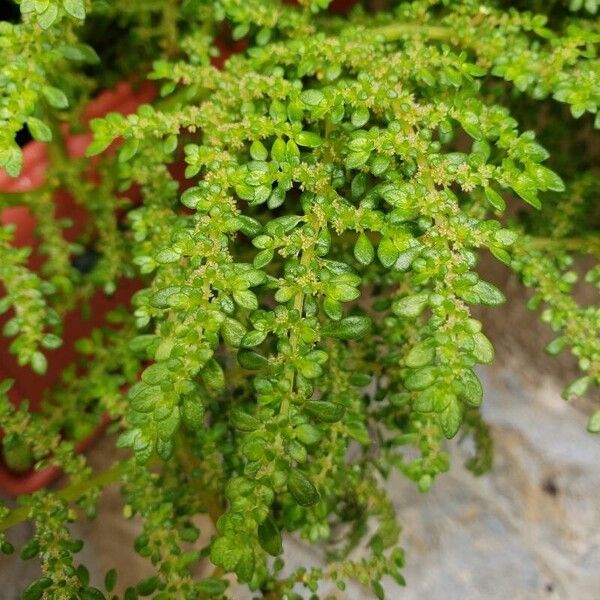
pixel 397 30
pixel 73 492
pixel 212 503
pixel 69 494
pixel 581 244
pixel 170 13
pixel 305 260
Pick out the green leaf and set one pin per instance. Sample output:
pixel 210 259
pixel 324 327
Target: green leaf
pixel 29 6
pixel 333 309
pixel 232 332
pixel 143 397
pixel 252 360
pixel 451 418
pixel 155 374
pixel 11 159
pixel 420 379
pixel 350 328
pixel 212 587
pixel 292 152
pixel 343 292
pixel 245 566
pixel 39 130
pixel 302 488
pixel 548 179
pixel 470 123
pixel 360 117
pixel 425 401
pixel 308 139
pixel 406 258
pixel 167 256
pixel 312 97
pixel 191 197
pixel 483 350
pixel 363 250
pixel 6 548
pixel 30 549
pixel 170 144
pixel 594 423
pixel 328 412
pixel 296 451
pixel 110 580
pixel 278 151
pixel 17 454
pixel 263 258
pixel 148 586
pixel 258 151
pixel 99 144
pixel 506 237
pixel 243 421
pixel 164 446
pixel 6 385
pixel 80 52
pixel 55 97
pixel 378 590
pixel 76 8
pixel 527 193
pixel 91 593
pixel 501 254
pixel 39 364
pixel 246 299
pixel 254 449
pixel 488 294
pixel 51 341
pixel 253 338
pixel 556 346
pixel 471 389
pixel 269 537
pixel 249 226
pixel 420 354
pixel 47 18
pixel 495 199
pixel 308 434
pixel 225 552
pixel 411 306
pixel 358 431
pixel 213 376
pixel 577 388
pixel 359 185
pixel 129 149
pixel 192 413
pixel 357 159
pixel 35 590
pixel 379 165
pixel 387 252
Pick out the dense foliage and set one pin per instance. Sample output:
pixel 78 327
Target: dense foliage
pixel 304 327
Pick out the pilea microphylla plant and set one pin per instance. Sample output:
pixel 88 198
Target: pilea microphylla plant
pixel 304 203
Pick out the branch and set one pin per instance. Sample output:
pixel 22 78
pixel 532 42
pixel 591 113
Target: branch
pixel 70 493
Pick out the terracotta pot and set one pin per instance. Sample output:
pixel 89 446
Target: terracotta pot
pixel 28 385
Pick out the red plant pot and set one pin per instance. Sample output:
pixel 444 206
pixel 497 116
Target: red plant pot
pixel 27 385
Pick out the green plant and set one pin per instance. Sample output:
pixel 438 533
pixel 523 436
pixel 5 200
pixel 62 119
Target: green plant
pixel 306 311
